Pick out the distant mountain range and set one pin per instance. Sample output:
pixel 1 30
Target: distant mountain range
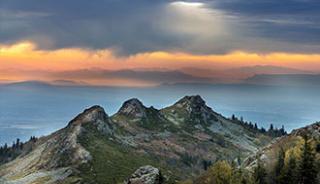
pixel 239 74
pixel 285 79
pixel 180 139
pixel 268 69
pixel 153 77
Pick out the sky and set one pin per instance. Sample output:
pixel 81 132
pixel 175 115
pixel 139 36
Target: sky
pixel 143 42
pixel 144 46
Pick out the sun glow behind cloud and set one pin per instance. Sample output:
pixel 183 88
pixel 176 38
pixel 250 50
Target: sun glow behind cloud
pixel 193 19
pixel 185 3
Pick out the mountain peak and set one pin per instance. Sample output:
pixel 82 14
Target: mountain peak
pixel 193 99
pixel 91 114
pixel 93 140
pixel 191 110
pixel 133 107
pixel 191 102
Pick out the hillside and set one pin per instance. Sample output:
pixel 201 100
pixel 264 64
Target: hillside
pixel 291 144
pixel 290 159
pixel 181 140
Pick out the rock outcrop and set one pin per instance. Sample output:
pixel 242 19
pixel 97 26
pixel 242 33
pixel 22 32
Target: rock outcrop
pixel 312 131
pixel 191 110
pixel 133 108
pixel 146 175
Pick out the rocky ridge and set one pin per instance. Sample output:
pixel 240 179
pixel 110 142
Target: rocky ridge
pixel 178 139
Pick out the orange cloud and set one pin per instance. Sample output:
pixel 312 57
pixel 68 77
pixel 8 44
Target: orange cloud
pixel 25 56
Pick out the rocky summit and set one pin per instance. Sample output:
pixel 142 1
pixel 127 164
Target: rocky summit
pixel 133 108
pixel 191 110
pixel 181 140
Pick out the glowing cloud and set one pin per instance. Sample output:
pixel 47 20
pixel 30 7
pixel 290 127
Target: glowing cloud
pixel 185 3
pixel 19 61
pixel 193 19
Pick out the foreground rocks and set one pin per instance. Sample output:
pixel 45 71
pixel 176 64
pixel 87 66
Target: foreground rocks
pixel 145 175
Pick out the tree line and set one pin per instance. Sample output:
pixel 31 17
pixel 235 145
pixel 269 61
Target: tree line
pixel 272 131
pixel 302 168
pixel 8 153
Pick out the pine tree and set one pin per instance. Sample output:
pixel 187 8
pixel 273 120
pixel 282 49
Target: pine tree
pixel 271 127
pixel 279 165
pixel 282 130
pixel 271 130
pixel 260 173
pixel 307 168
pixel 233 117
pixel 206 164
pixel 318 147
pixel 5 147
pixel 289 173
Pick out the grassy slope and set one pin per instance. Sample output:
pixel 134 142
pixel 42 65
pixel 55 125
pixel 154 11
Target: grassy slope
pixel 111 163
pixel 152 121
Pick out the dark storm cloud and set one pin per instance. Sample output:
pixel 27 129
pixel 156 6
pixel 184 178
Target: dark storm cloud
pixel 136 26
pixel 121 25
pixel 287 20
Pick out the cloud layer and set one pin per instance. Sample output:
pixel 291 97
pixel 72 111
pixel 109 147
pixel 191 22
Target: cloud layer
pixel 127 27
pixel 23 61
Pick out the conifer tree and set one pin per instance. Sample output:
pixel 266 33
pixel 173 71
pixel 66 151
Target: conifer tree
pixel 260 173
pixel 289 173
pixel 307 168
pixel 279 165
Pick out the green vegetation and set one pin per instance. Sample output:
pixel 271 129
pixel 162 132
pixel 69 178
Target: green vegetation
pixel 302 169
pixel 260 173
pixel 111 162
pixel 291 167
pixel 289 173
pixel 223 173
pixel 280 166
pixel 307 167
pixel 152 121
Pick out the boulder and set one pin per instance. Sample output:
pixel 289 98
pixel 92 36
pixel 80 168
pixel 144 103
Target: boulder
pixel 145 175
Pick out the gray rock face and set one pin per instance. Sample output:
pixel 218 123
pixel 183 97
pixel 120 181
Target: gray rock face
pixel 145 175
pixel 312 130
pixel 92 114
pixel 190 103
pixel 196 109
pixel 133 108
